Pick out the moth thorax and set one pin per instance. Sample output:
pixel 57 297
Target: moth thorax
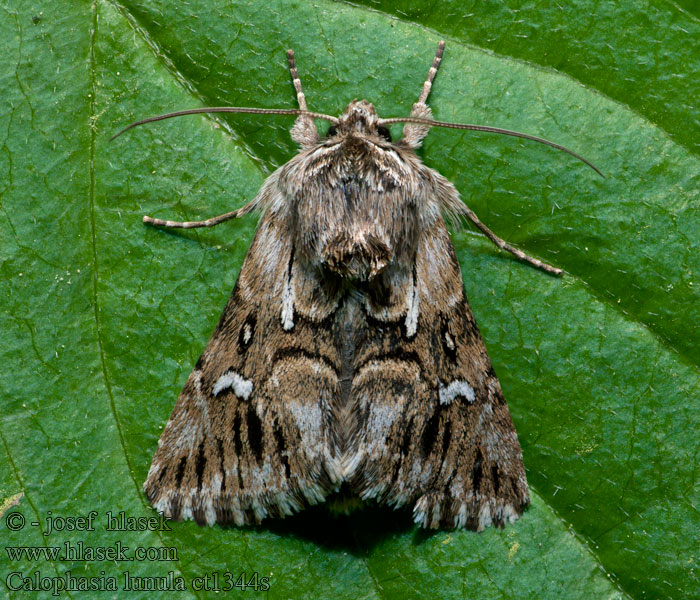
pixel 358 255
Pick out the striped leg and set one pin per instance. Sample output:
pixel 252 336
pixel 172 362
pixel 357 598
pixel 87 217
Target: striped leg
pixel 244 210
pixel 304 131
pixel 413 133
pixel 431 74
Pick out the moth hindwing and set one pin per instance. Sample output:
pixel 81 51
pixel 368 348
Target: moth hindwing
pixel 347 354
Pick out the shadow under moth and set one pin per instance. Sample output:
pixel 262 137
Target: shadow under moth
pixel 347 355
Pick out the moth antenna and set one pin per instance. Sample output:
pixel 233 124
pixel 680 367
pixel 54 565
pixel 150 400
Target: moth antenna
pixel 427 86
pixel 489 129
pixel 228 109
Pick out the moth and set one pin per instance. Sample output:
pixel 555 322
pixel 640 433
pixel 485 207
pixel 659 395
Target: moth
pixel 347 358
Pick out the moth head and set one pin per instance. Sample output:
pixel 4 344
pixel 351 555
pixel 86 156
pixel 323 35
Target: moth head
pixel 359 119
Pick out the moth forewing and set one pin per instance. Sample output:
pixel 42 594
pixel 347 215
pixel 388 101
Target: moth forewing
pixel 347 354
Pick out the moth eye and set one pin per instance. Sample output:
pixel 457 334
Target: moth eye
pixel 332 130
pixel 384 132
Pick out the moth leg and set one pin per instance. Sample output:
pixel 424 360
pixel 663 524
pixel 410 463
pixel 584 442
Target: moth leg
pixel 234 214
pixel 503 245
pixel 413 133
pixel 301 99
pixel 304 131
pixel 431 74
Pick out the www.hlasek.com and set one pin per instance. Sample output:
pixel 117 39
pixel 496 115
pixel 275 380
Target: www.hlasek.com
pixel 137 579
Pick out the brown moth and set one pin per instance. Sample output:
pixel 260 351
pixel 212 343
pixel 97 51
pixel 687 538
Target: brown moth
pixel 347 354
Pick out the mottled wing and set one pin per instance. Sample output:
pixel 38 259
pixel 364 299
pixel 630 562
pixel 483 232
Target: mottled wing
pixel 248 437
pixel 435 430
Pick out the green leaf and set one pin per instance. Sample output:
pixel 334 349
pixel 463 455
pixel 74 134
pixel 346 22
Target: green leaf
pixel 103 318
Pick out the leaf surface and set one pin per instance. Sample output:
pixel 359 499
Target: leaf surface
pixel 104 319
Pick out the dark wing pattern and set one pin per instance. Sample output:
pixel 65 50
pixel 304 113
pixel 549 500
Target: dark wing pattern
pixel 435 429
pixel 248 437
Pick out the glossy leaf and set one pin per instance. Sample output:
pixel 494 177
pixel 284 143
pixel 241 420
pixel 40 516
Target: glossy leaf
pixel 103 319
